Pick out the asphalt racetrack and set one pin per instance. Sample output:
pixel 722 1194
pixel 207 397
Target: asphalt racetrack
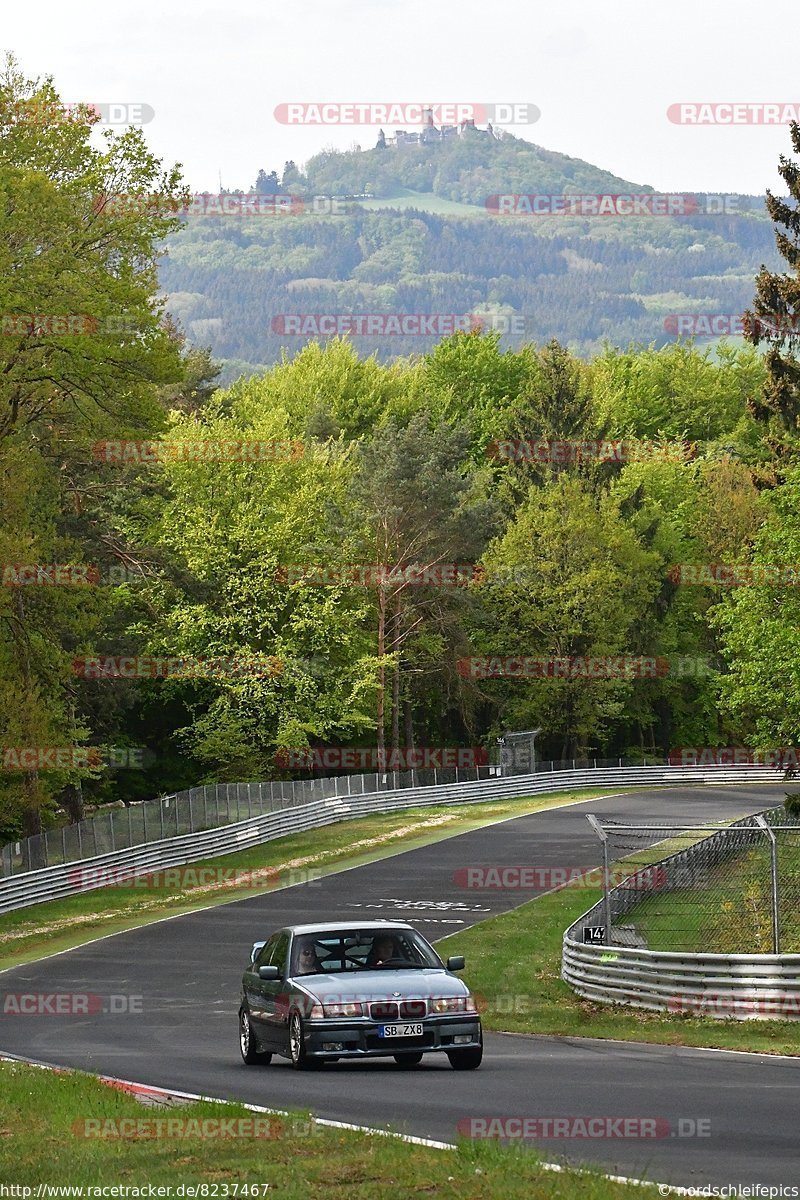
pixel 187 971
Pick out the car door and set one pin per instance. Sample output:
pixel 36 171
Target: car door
pixel 275 995
pixel 254 988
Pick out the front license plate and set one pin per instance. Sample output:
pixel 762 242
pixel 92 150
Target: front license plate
pixel 400 1031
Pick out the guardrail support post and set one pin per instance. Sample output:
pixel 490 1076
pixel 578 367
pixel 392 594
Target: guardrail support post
pixel 601 833
pixel 773 859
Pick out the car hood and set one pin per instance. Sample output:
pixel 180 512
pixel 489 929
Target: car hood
pixel 382 984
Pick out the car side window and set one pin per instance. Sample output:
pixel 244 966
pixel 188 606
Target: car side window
pixel 280 949
pixel 266 951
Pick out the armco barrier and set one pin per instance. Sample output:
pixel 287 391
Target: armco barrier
pixel 743 986
pixel 67 879
pixel 210 805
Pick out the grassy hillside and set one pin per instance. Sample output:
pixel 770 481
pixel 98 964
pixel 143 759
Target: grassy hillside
pixel 426 243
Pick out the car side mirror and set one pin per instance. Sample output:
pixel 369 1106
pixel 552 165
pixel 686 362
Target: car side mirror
pixel 269 972
pixel 455 962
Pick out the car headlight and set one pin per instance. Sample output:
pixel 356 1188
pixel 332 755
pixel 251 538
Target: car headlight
pixel 353 1009
pixel 447 1004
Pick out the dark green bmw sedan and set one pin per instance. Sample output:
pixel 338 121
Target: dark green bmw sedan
pixel 317 993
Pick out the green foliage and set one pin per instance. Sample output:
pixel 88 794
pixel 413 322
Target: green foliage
pixel 758 629
pixel 394 473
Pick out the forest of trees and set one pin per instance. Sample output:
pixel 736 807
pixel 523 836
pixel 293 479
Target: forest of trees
pixel 586 281
pixel 390 464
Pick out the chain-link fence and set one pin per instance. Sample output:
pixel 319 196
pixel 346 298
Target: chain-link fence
pixel 207 807
pixel 215 804
pixel 703 888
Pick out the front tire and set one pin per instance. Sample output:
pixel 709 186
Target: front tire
pixel 247 1043
pixel 466 1060
pixel 297 1047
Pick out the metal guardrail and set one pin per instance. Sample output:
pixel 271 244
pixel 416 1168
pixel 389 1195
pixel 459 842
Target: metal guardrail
pixel 67 879
pixel 723 985
pixel 213 804
pixel 196 809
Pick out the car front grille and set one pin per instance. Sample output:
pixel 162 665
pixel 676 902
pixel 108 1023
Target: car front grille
pixel 413 1010
pixel 390 1010
pixel 384 1010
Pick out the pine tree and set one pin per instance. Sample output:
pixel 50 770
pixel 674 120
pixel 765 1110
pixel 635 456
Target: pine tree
pixel 775 316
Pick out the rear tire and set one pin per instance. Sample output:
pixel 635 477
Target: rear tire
pixel 247 1043
pixel 408 1060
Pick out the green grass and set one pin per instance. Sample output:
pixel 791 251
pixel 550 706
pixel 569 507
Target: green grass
pixel 29 933
pixel 42 1141
pixel 425 202
pixel 514 968
pixel 732 914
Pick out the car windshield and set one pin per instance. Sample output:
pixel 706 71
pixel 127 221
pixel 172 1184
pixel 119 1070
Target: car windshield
pixel 335 951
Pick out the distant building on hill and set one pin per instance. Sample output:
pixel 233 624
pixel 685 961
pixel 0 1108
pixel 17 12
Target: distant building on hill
pixel 433 133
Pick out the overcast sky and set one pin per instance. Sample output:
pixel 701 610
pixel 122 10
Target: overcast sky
pixel 603 75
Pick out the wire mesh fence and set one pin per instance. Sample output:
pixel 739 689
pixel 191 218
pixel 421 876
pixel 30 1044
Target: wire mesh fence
pixel 215 804
pixel 733 889
pixel 206 807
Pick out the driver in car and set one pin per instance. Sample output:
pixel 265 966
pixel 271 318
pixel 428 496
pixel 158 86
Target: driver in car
pixel 308 963
pixel 383 950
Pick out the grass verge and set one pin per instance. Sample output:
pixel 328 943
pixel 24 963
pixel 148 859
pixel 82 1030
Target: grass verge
pixel 43 1141
pixel 514 968
pixel 731 910
pixel 30 933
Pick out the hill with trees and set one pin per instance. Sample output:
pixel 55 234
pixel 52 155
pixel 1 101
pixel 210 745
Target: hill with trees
pixel 427 243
